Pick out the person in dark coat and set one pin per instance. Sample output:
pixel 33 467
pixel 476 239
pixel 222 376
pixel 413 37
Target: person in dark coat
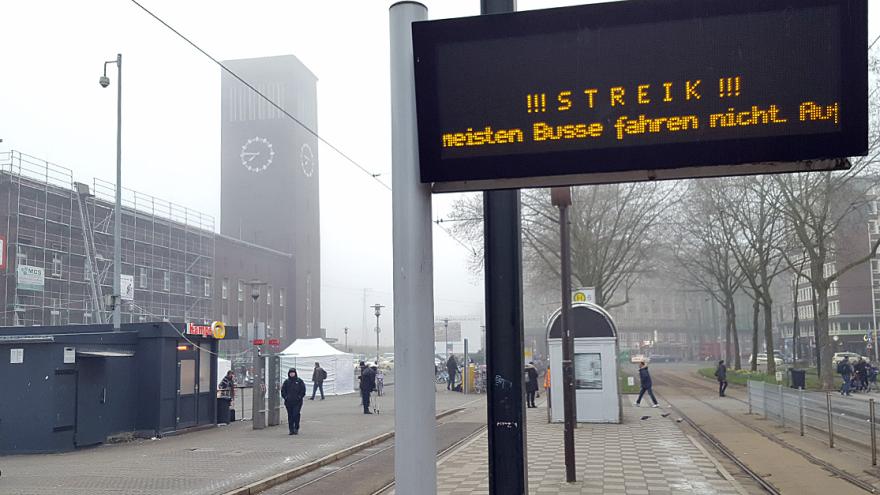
pixel 318 377
pixel 645 378
pixel 451 370
pixel 293 391
pixel 368 384
pixel 531 384
pixel 721 375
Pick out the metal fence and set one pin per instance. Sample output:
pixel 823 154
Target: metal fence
pixel 823 415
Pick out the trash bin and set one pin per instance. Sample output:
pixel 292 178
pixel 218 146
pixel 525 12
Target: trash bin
pixel 798 378
pixel 223 405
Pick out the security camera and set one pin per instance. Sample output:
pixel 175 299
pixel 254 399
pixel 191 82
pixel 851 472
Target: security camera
pixel 105 81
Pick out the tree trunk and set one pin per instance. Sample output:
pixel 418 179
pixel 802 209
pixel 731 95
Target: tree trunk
pixel 756 313
pixel 768 334
pixel 737 362
pixel 820 327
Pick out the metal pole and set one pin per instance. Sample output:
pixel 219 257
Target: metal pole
pixel 346 340
pixel 749 394
pixel 871 410
pixel 781 406
pixel 801 408
pixel 562 199
pixel 415 442
pixel 502 227
pixel 830 422
pixel 117 221
pixel 464 381
pixel 259 391
pixel 446 340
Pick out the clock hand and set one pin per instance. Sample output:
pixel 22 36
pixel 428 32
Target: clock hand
pixel 251 155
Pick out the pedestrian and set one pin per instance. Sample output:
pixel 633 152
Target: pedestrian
pixel 227 386
pixel 845 370
pixel 721 375
pixel 531 384
pixel 861 372
pixel 645 378
pixel 451 369
pixel 318 377
pixel 293 391
pixel 368 384
pixel 380 381
pixel 547 384
pixel 872 377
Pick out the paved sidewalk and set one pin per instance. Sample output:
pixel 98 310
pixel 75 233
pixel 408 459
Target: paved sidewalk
pixel 638 457
pixel 207 462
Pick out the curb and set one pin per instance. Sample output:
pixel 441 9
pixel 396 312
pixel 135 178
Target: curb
pixel 284 476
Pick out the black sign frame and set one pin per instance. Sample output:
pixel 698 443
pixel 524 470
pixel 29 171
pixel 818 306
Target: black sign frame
pixel 641 162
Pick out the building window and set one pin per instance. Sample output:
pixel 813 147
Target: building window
pixel 56 266
pixel 281 297
pixel 20 257
pixel 223 318
pixel 207 288
pixel 166 281
pixel 269 295
pixel 87 317
pixel 87 270
pixel 142 274
pixel 187 284
pixel 281 329
pixel 833 308
pixel 224 289
pixel 240 290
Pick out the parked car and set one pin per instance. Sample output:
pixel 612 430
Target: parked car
pixel 838 357
pixel 762 359
pixel 638 358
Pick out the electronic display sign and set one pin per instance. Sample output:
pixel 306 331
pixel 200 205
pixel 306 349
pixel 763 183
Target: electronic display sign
pixel 640 89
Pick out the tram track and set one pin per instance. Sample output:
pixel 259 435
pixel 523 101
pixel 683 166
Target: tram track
pixel 684 387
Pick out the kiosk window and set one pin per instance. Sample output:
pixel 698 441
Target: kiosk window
pixel 204 371
pixel 588 371
pixel 187 376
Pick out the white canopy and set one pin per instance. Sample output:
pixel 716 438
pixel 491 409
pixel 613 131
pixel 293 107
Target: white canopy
pixel 302 354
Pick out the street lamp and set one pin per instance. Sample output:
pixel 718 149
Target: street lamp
pixel 346 340
pixel 446 337
pixel 378 307
pixel 117 214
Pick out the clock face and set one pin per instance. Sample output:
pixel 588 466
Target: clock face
pixel 308 160
pixel 257 154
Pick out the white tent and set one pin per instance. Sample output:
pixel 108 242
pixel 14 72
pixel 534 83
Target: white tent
pixel 302 354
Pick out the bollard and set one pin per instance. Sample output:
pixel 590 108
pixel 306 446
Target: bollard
pixel 749 393
pixel 830 422
pixel 801 408
pixel 781 406
pixel 871 408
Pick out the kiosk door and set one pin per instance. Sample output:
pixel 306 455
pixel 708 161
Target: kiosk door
pixel 187 393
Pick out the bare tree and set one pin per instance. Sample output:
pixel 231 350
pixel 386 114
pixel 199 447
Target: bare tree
pixel 614 229
pixel 754 225
pixel 708 259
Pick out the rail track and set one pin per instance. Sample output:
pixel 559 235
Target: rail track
pixel 684 386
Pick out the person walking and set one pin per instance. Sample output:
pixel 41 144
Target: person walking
pixel 451 370
pixel 861 374
pixel 293 391
pixel 368 384
pixel 531 384
pixel 380 381
pixel 547 384
pixel 645 378
pixel 845 369
pixel 318 377
pixel 721 375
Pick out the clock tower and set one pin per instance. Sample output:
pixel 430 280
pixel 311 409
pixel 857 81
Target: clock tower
pixel 269 181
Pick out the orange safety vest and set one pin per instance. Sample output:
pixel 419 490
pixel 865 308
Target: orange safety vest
pixel 547 379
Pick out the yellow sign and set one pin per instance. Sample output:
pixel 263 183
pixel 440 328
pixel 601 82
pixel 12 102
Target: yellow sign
pixel 580 297
pixel 218 330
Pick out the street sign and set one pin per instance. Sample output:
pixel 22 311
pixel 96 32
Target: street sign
pixel 258 341
pixel 584 294
pixel 274 342
pixel 640 90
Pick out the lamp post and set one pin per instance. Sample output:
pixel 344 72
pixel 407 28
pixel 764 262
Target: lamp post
pixel 346 340
pixel 259 391
pixel 446 338
pixel 117 214
pixel 377 307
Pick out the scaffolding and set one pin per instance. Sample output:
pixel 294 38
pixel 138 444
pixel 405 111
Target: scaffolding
pixel 167 250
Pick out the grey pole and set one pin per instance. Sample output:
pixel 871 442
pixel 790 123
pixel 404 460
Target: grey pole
pixel 259 392
pixel 415 442
pixel 830 421
pixel 117 213
pixel 464 375
pixel 561 197
pixel 871 410
pixel 801 408
pixel 346 339
pixel 378 308
pixel 446 340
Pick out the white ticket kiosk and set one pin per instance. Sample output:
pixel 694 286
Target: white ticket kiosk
pixel 597 396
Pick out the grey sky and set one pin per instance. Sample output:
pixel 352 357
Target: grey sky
pixel 52 107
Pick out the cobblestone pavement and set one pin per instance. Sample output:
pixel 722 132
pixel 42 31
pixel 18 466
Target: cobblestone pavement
pixel 638 457
pixel 205 462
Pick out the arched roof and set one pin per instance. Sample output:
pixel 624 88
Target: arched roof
pixel 588 320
